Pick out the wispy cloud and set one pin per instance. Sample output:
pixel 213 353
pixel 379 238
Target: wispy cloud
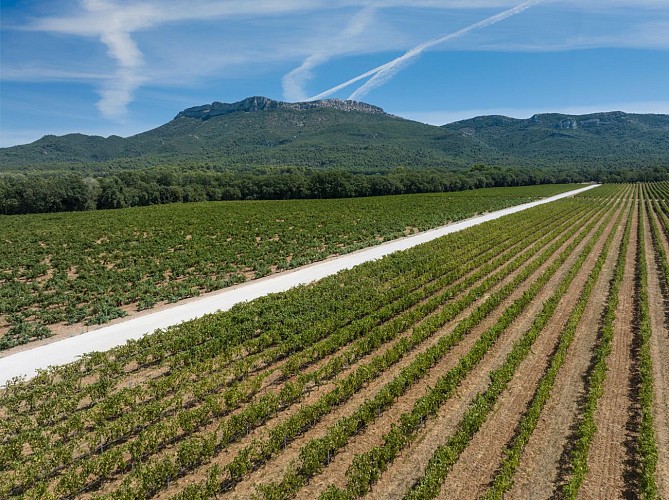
pixel 38 74
pixel 117 93
pixel 114 22
pixel 385 72
pixel 294 81
pixel 113 26
pixel 300 39
pixel 396 65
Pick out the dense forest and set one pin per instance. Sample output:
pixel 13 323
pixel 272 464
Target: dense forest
pixel 259 148
pixel 71 191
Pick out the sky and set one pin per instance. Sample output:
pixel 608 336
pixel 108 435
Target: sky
pixel 121 67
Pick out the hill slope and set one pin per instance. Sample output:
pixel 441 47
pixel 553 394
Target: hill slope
pixel 346 134
pixel 609 137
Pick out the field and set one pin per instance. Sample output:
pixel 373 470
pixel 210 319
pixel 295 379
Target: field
pixel 67 271
pixel 527 357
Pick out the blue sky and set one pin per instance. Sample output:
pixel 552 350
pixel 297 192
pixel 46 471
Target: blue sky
pixel 121 67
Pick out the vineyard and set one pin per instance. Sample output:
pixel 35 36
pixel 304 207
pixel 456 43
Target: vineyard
pixel 527 357
pixel 69 271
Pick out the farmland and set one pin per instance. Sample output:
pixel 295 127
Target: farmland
pixel 526 357
pixel 70 271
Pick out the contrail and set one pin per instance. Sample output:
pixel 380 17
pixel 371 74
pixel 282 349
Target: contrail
pixel 382 74
pixel 293 83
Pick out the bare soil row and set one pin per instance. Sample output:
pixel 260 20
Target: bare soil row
pixel 585 260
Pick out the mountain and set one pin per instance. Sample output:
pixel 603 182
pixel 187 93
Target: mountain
pixel 333 133
pixel 255 131
pixel 609 138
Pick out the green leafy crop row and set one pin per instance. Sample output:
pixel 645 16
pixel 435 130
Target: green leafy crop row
pixel 88 268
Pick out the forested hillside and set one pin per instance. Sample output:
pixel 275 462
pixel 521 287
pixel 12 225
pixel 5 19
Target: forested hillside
pixel 259 148
pixel 355 136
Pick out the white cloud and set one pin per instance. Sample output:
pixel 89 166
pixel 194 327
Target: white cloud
pixel 369 28
pixel 117 93
pixel 37 74
pixel 122 48
pixel 113 26
pixel 385 72
pixel 294 81
pixel 389 70
pixel 114 22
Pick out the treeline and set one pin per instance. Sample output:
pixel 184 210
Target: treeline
pixel 71 191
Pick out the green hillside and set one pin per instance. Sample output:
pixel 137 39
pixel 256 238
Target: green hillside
pixel 315 136
pixel 344 134
pixel 613 138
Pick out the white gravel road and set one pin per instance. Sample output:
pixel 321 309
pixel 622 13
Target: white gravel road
pixel 26 363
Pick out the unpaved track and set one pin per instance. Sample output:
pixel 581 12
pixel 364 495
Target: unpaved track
pixel 537 473
pixel 475 468
pixel 228 454
pixel 26 363
pixel 659 348
pixel 609 455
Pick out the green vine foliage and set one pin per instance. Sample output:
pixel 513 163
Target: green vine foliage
pixel 156 416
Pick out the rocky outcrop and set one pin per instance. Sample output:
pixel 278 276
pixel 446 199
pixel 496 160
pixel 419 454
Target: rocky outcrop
pixel 592 122
pixel 567 123
pixel 259 103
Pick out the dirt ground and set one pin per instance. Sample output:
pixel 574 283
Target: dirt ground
pixel 612 460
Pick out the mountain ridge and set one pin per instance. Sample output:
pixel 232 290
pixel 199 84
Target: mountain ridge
pixel 259 131
pixel 261 103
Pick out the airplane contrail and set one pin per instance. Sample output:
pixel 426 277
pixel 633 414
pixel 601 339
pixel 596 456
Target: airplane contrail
pixel 382 74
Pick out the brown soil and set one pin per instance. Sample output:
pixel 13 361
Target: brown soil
pixel 539 467
pixel 608 458
pixel 474 470
pixel 412 462
pixel 143 375
pixel 62 331
pixel 335 472
pixel 313 395
pixel 275 469
pixel 383 424
pixel 258 434
pixel 659 348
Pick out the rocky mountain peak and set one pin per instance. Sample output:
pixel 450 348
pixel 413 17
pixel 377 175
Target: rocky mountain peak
pixel 260 103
